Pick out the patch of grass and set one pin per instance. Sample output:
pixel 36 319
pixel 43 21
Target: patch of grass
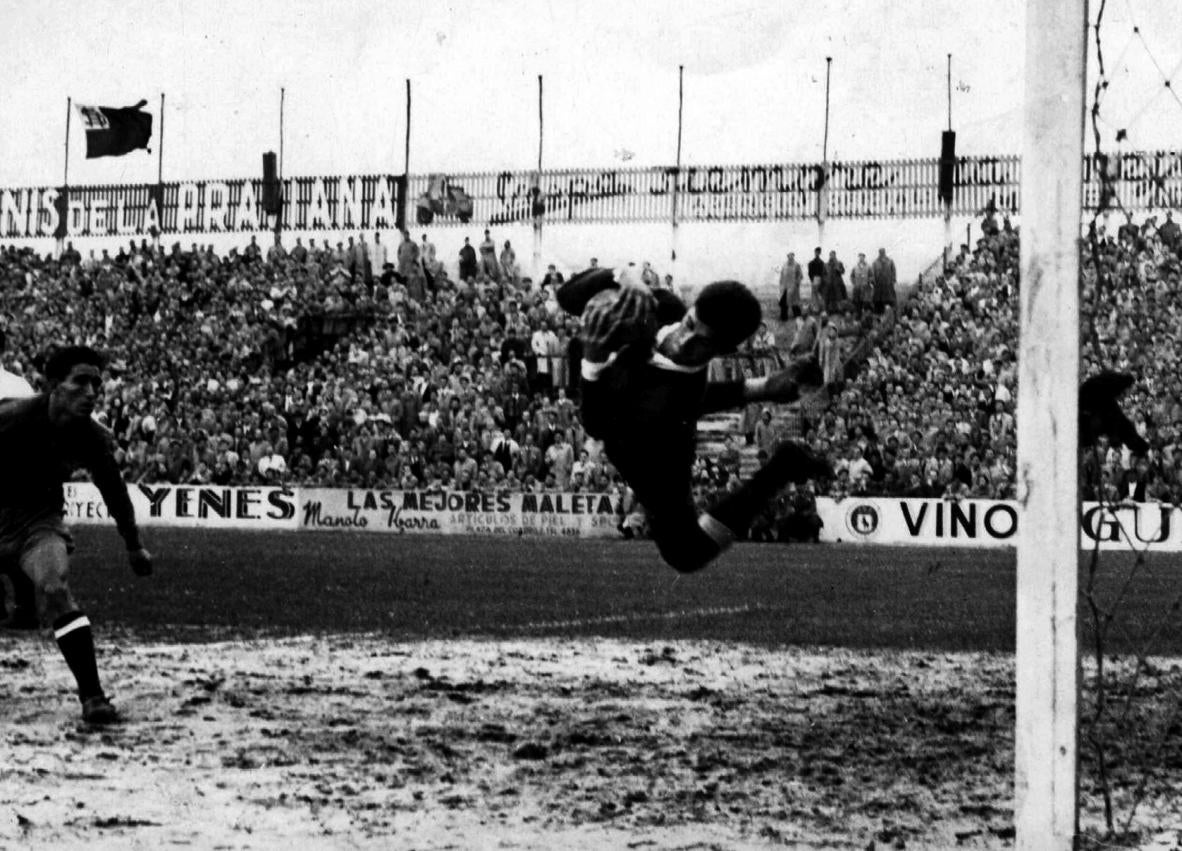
pixel 213 584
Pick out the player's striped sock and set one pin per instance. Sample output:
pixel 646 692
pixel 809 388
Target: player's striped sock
pixel 74 637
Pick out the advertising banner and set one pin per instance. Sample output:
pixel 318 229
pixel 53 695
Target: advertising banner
pixel 892 189
pixel 1143 526
pixel 194 506
pixel 858 520
pixel 458 513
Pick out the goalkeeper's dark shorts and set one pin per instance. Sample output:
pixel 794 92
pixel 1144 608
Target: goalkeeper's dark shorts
pixel 658 467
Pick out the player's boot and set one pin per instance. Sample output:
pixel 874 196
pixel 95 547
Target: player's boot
pixel 792 462
pixel 99 711
pixel 800 464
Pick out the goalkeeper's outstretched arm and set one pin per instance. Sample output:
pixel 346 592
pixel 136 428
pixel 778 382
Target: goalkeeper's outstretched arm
pixel 582 287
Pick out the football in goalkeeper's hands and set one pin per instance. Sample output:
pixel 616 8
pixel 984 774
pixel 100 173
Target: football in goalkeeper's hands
pixel 616 318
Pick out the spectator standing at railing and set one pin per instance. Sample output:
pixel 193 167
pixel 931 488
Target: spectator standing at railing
pixel 862 289
pixel 816 270
pixel 488 257
pixel 276 253
pixel 409 269
pixel 884 277
pixel 1169 233
pixel 508 264
pixel 377 254
pixel 835 291
pixel 359 267
pixel 468 264
pixel 427 256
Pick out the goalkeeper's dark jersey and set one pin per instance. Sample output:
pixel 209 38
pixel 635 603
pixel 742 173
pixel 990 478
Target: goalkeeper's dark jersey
pixel 37 457
pixel 635 389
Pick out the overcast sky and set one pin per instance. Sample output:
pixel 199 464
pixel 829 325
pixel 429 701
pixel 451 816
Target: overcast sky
pixel 754 81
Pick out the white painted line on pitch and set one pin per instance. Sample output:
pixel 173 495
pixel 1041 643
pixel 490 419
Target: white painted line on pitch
pixel 643 616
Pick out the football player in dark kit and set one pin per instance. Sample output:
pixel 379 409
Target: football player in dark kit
pixel 43 439
pixel 644 387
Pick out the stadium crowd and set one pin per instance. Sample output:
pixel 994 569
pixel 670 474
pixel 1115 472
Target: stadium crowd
pixel 363 365
pixel 930 411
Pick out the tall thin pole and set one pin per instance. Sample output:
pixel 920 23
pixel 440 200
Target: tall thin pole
pixel 823 191
pixel 406 151
pixel 537 220
pixel 948 200
pixel 282 200
pixel 66 176
pixel 159 201
pixel 949 91
pixel 66 182
pixel 160 162
pixel 677 167
pixel 282 98
pixel 541 125
pixel 825 140
pixel 403 213
pixel 1048 542
pixel 680 106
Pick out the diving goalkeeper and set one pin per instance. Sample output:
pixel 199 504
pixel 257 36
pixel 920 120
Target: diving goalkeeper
pixel 644 387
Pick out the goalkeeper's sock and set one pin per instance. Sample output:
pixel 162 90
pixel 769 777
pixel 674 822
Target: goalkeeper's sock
pixel 76 641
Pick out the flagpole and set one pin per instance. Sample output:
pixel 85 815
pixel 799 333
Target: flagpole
pixel 282 206
pixel 66 177
pixel 160 162
pixel 537 265
pixel 282 94
pixel 66 180
pixel 948 201
pixel 406 147
pixel 822 194
pixel 160 176
pixel 677 169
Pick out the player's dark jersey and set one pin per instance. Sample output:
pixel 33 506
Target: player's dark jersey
pixel 632 387
pixel 37 457
pixel 650 395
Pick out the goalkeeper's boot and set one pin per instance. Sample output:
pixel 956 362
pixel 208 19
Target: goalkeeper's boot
pixel 800 464
pixel 99 711
pixel 792 462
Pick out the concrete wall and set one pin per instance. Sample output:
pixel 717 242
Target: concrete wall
pixel 750 252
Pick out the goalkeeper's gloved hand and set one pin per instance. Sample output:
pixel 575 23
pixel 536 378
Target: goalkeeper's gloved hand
pixel 617 318
pixel 798 378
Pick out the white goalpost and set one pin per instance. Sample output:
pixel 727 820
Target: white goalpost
pixel 1047 657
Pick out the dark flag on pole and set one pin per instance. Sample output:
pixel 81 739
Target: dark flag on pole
pixel 114 132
